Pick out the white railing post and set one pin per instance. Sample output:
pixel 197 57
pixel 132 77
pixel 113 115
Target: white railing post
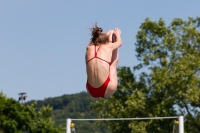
pixel 69 124
pixel 68 128
pixel 181 124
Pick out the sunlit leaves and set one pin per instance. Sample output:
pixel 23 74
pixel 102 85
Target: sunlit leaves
pixel 173 58
pixel 18 118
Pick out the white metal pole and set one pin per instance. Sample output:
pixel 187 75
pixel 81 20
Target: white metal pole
pixel 181 124
pixel 68 128
pixel 114 119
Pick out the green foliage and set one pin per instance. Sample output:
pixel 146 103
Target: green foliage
pixel 169 88
pixel 132 99
pixel 72 106
pixel 173 57
pixel 18 118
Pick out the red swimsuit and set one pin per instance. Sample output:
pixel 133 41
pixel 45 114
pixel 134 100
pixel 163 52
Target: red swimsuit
pixel 98 92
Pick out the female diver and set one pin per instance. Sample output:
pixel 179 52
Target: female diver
pixel 101 62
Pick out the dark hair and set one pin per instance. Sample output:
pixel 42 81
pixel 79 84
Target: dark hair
pixel 98 37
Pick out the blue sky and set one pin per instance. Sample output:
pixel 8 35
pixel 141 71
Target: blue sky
pixel 42 42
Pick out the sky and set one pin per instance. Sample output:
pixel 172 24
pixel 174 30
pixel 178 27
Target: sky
pixel 43 42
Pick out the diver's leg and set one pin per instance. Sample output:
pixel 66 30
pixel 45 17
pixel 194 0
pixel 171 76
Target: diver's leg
pixel 112 86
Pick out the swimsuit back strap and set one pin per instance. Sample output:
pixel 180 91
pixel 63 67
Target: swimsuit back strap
pixel 95 54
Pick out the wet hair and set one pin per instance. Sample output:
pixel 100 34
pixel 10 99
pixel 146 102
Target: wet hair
pixel 98 37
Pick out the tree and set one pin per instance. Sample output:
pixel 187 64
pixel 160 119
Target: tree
pixel 173 57
pixel 72 106
pixel 170 86
pixel 18 118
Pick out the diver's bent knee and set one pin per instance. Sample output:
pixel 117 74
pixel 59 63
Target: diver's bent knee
pixel 113 88
pixel 110 92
